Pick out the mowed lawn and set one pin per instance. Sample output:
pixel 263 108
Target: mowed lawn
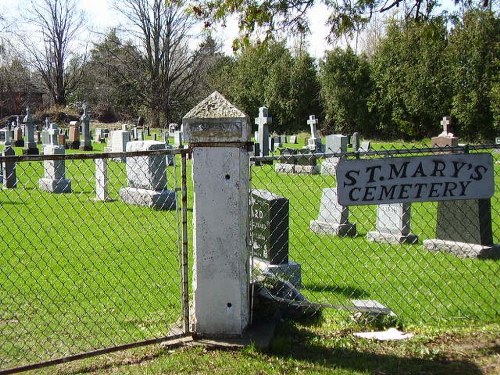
pixel 77 274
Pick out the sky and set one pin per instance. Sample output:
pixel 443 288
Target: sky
pixel 102 17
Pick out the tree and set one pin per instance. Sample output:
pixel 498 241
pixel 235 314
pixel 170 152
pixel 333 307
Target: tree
pixel 272 77
pixel 170 68
pixel 412 89
pixel 59 23
pixel 345 89
pixel 474 58
pixel 346 17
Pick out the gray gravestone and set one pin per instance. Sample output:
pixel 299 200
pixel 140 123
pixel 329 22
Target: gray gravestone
pixel 293 139
pixel 30 147
pixel 178 139
pixel 9 178
pixel 355 141
pixel 269 226
pixel 336 143
pixel 119 140
pixel 333 218
pixel 365 146
pixel 18 137
pixel 393 224
pixel 54 180
pixel 263 122
pixel 74 137
pixel 147 178
pixel 85 138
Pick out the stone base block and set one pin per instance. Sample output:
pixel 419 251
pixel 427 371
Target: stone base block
pixel 463 249
pixel 290 271
pixel 86 148
pixel 159 200
pixel 31 151
pixel 73 145
pixel 321 227
pixel 298 169
pixel 18 143
pixel 391 238
pixel 328 168
pixel 55 186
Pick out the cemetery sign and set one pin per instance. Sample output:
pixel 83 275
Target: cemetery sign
pixel 415 179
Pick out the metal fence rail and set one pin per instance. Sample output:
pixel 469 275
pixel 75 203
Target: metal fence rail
pixel 356 270
pixel 86 265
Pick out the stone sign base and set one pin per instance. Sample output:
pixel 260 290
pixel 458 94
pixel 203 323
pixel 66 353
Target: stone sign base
pixel 159 200
pixel 322 227
pixel 462 249
pixel 329 167
pixel 294 168
pixel 391 238
pixel 31 151
pixel 290 271
pixel 55 186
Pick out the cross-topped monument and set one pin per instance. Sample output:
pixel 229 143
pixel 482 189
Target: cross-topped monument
pixel 30 144
pixel 263 122
pixel 86 140
pixel 446 138
pixel 314 143
pixel 447 128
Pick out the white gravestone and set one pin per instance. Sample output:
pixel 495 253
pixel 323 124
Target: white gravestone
pixel 119 140
pixel 147 178
pixel 335 143
pixel 221 215
pixel 393 224
pixel 101 180
pixel 54 180
pixel 333 218
pixel 314 143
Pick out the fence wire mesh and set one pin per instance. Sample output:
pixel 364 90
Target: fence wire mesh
pixel 89 255
pixel 310 253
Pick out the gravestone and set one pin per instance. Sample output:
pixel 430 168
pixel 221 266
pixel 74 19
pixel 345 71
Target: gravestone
pixel 293 139
pixel 355 141
pixel 464 228
pixel 18 137
pixel 147 178
pixel 178 139
pixel 335 143
pixel 365 146
pixel 101 180
pixel 263 122
pixel 314 142
pixel 98 136
pixel 30 147
pixel 300 161
pixel 9 178
pixel 140 135
pixel 497 142
pixel 54 180
pixel 3 133
pixel 333 218
pixel 119 140
pixel 446 138
pixel 74 138
pixel 5 137
pixel 61 139
pixel 393 224
pixel 269 229
pixel 85 137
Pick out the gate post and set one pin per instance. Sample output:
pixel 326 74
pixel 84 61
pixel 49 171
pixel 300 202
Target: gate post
pixel 219 135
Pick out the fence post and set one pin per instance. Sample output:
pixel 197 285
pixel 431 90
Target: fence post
pixel 219 136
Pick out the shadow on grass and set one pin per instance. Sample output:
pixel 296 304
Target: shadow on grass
pixel 305 346
pixel 347 291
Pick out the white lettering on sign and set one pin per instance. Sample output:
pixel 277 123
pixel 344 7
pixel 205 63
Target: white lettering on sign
pixel 415 179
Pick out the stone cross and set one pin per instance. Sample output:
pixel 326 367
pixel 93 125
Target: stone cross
pixel 53 134
pixel 447 129
pixel 47 125
pixel 86 141
pixel 263 122
pixel 313 122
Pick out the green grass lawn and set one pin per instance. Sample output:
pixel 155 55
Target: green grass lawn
pixel 77 274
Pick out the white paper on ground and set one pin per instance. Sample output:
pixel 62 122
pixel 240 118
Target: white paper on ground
pixel 390 334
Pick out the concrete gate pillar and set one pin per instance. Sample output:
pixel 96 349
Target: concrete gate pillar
pixel 219 135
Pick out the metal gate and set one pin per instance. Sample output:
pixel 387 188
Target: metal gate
pixel 86 266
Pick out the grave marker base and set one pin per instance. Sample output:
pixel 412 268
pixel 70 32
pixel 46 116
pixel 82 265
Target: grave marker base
pixel 391 238
pixel 322 227
pixel 290 271
pixel 159 200
pixel 463 249
pixel 55 186
pixel 18 143
pixel 31 151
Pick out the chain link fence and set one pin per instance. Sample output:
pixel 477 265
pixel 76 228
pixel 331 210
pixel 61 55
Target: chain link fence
pixel 91 256
pixel 311 253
